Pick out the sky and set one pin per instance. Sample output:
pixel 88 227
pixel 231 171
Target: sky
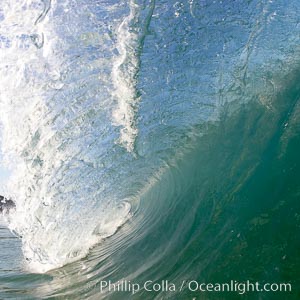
pixel 4 174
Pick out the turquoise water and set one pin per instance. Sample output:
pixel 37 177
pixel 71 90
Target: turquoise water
pixel 150 141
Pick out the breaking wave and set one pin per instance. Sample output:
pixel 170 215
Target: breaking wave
pixel 138 134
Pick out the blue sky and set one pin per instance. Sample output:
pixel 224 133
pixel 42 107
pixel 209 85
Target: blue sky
pixel 4 174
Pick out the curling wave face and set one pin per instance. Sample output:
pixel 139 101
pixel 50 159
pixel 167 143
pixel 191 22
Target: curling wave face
pixel 114 111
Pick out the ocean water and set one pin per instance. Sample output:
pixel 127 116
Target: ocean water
pixel 149 140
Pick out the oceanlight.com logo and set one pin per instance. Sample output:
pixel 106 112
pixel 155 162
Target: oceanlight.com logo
pixel 192 286
pixel 239 287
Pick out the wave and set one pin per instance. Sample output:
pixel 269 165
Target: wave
pixel 142 132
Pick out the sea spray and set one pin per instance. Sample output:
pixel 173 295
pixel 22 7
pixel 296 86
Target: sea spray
pixel 55 114
pixel 130 38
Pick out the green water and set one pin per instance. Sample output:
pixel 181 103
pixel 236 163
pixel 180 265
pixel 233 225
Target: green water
pixel 240 207
pixel 253 178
